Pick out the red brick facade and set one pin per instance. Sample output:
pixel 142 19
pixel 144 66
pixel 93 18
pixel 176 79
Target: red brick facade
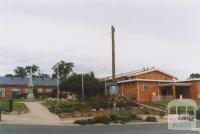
pixel 153 85
pixel 23 89
pixel 144 86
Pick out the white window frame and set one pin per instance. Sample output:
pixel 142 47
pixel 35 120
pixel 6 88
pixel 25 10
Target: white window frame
pixel 145 86
pixel 2 92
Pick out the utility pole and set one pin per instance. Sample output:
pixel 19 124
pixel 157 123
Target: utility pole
pixel 113 66
pixel 83 100
pixel 113 52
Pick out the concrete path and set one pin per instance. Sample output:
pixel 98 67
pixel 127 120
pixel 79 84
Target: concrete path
pixel 38 115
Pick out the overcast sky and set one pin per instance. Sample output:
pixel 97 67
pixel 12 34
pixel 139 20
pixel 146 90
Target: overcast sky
pixel 160 33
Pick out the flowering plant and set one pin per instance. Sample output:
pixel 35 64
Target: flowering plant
pixel 70 100
pixel 121 100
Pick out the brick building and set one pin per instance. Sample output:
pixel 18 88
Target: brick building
pixel 153 84
pixel 11 86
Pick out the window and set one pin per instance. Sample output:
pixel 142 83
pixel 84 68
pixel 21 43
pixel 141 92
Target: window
pixel 145 86
pixel 2 92
pixel 15 91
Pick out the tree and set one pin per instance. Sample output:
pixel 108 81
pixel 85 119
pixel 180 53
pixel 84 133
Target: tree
pixel 42 75
pixel 20 72
pixel 64 69
pixel 24 71
pixel 92 86
pixel 35 69
pixel 9 75
pixel 194 75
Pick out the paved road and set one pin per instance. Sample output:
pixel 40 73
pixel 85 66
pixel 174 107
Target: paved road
pixel 122 129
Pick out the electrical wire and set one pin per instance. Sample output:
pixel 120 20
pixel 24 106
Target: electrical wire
pixel 69 49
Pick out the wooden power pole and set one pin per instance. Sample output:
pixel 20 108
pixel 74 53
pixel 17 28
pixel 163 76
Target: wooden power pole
pixel 113 52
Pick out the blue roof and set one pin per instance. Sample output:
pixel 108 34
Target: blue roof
pixel 24 81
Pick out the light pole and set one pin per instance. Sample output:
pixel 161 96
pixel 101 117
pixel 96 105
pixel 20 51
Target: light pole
pixel 82 88
pixel 58 90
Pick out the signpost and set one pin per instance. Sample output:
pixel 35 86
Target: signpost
pixel 113 90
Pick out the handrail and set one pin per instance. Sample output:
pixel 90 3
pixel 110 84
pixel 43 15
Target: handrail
pixel 160 110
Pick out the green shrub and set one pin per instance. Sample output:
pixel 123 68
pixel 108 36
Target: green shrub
pixel 98 102
pixel 68 105
pixel 69 108
pixel 91 121
pixel 114 117
pixel 107 118
pixel 128 114
pixel 85 122
pixel 151 119
pixel 103 118
pixel 76 107
pixel 134 116
pixel 125 118
pixel 81 122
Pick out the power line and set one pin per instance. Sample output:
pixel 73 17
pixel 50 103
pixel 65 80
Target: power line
pixel 69 49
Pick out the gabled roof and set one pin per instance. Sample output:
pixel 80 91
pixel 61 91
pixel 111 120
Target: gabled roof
pixel 17 81
pixel 146 80
pixel 151 70
pixel 139 72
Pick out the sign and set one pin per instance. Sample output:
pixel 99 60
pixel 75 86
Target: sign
pixel 182 114
pixel 113 88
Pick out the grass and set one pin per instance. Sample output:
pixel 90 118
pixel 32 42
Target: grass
pixel 18 106
pixel 44 103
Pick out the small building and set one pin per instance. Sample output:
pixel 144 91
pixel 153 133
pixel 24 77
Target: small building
pixel 11 86
pixel 153 84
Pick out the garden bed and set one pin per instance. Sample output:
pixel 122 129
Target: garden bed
pixel 122 117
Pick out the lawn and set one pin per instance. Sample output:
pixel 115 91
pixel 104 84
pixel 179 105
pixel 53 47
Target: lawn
pixel 18 106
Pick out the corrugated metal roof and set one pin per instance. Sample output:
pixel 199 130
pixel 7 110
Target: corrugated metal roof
pixel 25 81
pixel 137 72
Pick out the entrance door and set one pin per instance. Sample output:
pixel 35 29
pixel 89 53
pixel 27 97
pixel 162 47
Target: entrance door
pixel 15 91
